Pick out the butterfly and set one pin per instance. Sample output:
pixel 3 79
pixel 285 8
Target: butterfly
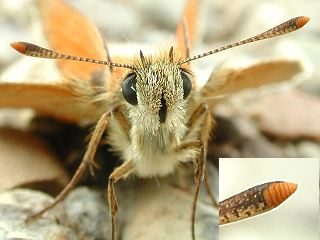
pixel 155 114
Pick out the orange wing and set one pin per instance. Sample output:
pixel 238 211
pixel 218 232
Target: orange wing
pixel 56 101
pixel 70 32
pixel 71 96
pixel 187 28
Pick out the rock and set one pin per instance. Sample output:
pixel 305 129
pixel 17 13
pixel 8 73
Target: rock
pixel 17 205
pixel 308 149
pixel 163 210
pixel 26 161
pixel 88 214
pixel 291 115
pixel 148 209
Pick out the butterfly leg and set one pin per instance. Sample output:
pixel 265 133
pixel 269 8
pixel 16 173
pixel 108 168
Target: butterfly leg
pixel 88 160
pixel 121 172
pixel 123 123
pixel 202 114
pixel 209 189
pixel 195 117
pixel 198 176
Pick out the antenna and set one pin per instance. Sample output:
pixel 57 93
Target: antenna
pixel 284 28
pixel 32 50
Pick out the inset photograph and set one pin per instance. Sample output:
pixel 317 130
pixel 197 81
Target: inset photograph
pixel 268 198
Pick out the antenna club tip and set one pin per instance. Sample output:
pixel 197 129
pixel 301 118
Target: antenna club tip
pixel 278 192
pixel 19 46
pixel 301 21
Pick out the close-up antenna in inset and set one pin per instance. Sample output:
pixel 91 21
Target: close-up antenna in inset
pixel 254 201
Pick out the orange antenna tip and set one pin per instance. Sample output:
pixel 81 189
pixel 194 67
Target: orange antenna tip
pixel 301 21
pixel 19 46
pixel 278 192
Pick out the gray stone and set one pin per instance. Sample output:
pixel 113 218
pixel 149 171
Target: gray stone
pixel 87 211
pixel 17 205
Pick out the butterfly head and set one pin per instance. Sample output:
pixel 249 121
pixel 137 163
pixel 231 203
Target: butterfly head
pixel 157 92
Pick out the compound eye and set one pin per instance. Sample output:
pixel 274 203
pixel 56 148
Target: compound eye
pixel 129 89
pixel 187 84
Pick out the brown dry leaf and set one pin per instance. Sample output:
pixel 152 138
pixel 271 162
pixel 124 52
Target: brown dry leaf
pixel 291 115
pixel 25 161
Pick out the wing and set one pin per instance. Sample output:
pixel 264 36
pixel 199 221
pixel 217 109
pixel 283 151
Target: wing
pixel 71 96
pixel 226 81
pixel 187 28
pixel 70 32
pixel 56 101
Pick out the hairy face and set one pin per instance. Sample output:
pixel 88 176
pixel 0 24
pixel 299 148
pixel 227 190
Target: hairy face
pixel 157 92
